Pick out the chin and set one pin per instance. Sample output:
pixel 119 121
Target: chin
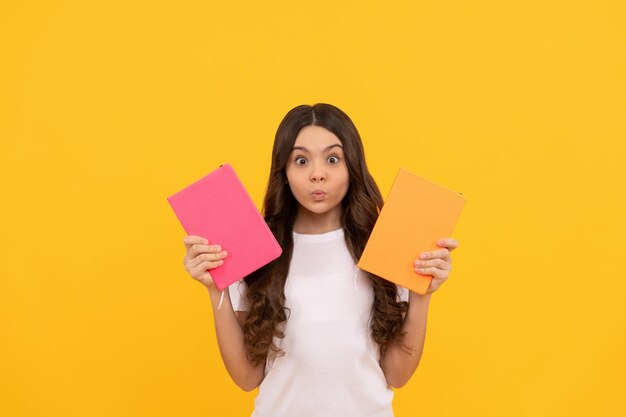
pixel 319 208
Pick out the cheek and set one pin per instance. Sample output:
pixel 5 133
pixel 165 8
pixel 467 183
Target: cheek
pixel 296 182
pixel 345 178
pixel 291 175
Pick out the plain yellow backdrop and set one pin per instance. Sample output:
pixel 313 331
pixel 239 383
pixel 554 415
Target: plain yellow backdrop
pixel 109 107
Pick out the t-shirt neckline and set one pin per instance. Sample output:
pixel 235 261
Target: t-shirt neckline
pixel 318 237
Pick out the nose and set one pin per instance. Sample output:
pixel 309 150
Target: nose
pixel 318 174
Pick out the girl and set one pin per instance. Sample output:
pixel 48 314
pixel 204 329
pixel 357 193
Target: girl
pixel 315 334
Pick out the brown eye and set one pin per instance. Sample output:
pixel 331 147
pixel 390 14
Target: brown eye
pixel 336 159
pixel 299 159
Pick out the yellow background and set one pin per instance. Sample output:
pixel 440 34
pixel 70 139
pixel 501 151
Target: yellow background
pixel 109 107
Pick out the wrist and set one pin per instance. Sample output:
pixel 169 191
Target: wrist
pixel 419 299
pixel 215 293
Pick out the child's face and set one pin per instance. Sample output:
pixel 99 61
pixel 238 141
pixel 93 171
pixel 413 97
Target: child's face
pixel 315 164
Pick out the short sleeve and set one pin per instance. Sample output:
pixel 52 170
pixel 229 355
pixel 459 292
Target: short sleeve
pixel 404 293
pixel 238 298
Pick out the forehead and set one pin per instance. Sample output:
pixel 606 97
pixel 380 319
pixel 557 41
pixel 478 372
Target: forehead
pixel 316 138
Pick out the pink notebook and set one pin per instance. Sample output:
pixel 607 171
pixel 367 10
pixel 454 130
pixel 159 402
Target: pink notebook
pixel 218 208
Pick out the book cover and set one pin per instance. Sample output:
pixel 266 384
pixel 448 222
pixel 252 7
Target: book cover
pixel 218 207
pixel 416 214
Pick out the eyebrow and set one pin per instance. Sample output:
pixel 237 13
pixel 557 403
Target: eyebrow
pixel 325 149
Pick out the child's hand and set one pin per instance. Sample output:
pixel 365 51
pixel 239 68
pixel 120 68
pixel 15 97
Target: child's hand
pixel 200 258
pixel 437 263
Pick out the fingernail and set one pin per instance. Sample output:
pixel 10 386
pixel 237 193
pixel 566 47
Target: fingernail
pixel 219 248
pixel 423 256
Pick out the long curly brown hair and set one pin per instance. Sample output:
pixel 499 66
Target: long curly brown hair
pixel 360 209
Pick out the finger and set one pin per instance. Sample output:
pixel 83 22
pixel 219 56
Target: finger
pixel 433 267
pixel 203 266
pixel 439 253
pixel 437 263
pixel 440 275
pixel 449 243
pixel 425 271
pixel 198 249
pixel 212 257
pixel 190 240
pixel 436 273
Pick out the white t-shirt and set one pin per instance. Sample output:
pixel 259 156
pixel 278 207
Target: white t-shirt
pixel 331 363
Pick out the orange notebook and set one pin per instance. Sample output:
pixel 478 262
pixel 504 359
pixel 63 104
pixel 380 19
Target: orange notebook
pixel 416 214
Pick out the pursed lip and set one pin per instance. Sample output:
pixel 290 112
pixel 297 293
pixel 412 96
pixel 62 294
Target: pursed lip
pixel 318 192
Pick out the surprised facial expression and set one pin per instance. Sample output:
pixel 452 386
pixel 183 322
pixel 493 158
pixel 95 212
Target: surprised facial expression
pixel 317 170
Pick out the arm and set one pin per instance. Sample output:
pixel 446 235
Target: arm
pixel 398 365
pixel 228 328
